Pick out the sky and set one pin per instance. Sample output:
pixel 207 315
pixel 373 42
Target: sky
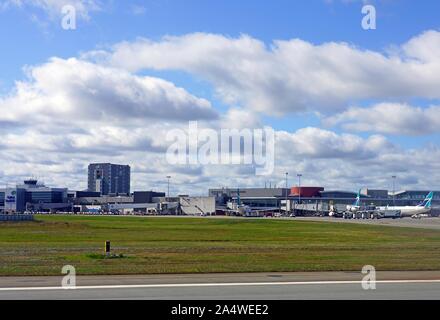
pixel 349 107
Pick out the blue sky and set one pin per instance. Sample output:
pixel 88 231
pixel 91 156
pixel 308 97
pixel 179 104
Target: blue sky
pixel 318 21
pixel 32 34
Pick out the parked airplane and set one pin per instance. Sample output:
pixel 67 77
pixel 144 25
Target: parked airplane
pixel 408 211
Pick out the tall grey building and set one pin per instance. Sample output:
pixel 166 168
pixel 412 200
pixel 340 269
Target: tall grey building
pixel 108 178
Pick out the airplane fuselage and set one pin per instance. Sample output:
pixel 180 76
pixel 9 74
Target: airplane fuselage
pixel 409 211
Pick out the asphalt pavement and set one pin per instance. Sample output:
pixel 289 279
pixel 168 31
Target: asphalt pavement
pixel 247 286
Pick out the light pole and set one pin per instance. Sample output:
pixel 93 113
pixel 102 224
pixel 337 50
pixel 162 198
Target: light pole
pixel 287 188
pixel 299 185
pixel 168 177
pixel 394 190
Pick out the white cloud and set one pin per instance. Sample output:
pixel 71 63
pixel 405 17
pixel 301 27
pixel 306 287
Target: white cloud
pixel 324 157
pixel 70 112
pixel 318 143
pixel 390 118
pixel 357 162
pixel 62 90
pixel 236 118
pixel 293 75
pixel 424 48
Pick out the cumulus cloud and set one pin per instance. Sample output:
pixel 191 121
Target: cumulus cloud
pixel 293 75
pixel 324 157
pixel 318 143
pixel 389 118
pixel 373 171
pixel 236 118
pixel 62 90
pixel 424 48
pixel 70 112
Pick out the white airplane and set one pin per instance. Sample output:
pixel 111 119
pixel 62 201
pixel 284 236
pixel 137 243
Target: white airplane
pixel 409 211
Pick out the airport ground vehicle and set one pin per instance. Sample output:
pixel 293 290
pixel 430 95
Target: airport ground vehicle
pixel 358 215
pixel 372 214
pixel 419 216
pixel 390 214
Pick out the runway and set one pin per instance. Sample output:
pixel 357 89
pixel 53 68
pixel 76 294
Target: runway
pixel 267 286
pixel 424 223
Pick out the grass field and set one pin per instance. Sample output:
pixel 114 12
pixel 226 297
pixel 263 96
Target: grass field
pixel 188 245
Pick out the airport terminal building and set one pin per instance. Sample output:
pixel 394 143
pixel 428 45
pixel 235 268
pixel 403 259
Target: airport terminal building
pixel 109 192
pixel 32 196
pixel 317 199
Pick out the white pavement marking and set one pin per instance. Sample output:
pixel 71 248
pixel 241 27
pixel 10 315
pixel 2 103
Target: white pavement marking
pixel 188 285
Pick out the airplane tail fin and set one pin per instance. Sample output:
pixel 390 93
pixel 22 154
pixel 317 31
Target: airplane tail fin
pixel 427 203
pixel 358 199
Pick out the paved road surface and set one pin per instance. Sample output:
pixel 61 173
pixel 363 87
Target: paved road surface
pixel 264 286
pixel 424 223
